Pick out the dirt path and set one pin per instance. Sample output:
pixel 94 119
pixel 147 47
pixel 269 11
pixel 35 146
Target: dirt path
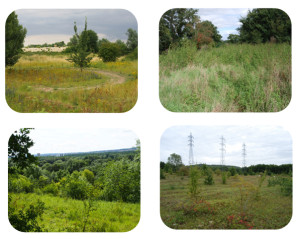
pixel 114 79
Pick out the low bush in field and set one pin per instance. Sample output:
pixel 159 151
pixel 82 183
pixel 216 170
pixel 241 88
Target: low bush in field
pixel 285 183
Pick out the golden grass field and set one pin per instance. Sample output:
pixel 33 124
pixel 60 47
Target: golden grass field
pixel 49 83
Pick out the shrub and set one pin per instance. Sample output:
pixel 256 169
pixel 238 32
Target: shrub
pixel 77 187
pixel 19 184
pixel 25 220
pixel 162 175
pixel 224 177
pixel 51 188
pixel 194 186
pixel 108 52
pixel 122 181
pixel 209 180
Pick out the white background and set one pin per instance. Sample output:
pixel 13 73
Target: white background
pixel 148 119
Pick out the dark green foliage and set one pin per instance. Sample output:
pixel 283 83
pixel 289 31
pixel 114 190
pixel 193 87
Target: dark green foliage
pixel 176 24
pixel 80 49
pixel 162 175
pixel 91 39
pixel 122 181
pixel 285 183
pixel 175 162
pixel 18 150
pixel 77 187
pixel 14 39
pixel 122 48
pixel 132 39
pixel 233 38
pixel 108 51
pixel 271 168
pixel 209 179
pixel 132 55
pixel 224 177
pixel 194 189
pixel 25 220
pixel 232 171
pixel 265 24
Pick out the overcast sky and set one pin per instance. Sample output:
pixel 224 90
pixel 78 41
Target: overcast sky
pixel 264 145
pixel 225 19
pixel 80 140
pixel 49 26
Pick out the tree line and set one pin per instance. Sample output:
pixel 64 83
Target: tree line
pixel 80 47
pixel 174 164
pixel 180 25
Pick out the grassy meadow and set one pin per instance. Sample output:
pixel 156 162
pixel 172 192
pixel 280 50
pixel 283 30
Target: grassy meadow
pixel 229 78
pixel 47 82
pixel 67 215
pixel 238 204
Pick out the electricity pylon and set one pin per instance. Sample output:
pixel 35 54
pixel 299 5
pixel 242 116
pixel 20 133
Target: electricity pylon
pixel 191 144
pixel 223 150
pixel 244 155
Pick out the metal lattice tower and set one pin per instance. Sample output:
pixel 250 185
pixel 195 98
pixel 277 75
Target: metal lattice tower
pixel 244 155
pixel 223 150
pixel 191 144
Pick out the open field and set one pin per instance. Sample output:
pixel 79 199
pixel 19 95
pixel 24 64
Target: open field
pixel 49 83
pixel 65 214
pixel 229 78
pixel 234 205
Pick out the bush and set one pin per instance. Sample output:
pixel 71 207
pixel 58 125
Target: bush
pixel 19 184
pixel 194 185
pixel 122 181
pixel 77 187
pixel 25 220
pixel 162 175
pixel 51 188
pixel 224 177
pixel 132 55
pixel 108 52
pixel 209 180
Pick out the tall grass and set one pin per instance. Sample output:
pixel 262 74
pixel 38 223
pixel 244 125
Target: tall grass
pixel 250 78
pixel 67 215
pixel 49 83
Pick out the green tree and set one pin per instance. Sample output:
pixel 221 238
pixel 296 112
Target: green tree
pixel 176 24
pixel 108 51
pixel 233 38
pixel 91 39
pixel 122 48
pixel 14 39
pixel 175 161
pixel 79 48
pixel 122 181
pixel 132 39
pixel 18 150
pixel 265 24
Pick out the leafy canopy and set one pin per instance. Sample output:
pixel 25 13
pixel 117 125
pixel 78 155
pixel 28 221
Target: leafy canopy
pixel 264 24
pixel 14 39
pixel 18 149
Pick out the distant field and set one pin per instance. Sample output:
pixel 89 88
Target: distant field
pixel 230 78
pixel 49 83
pixel 66 215
pixel 219 206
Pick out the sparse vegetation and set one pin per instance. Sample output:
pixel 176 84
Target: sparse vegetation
pixel 233 205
